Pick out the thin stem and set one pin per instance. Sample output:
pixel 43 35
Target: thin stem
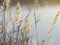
pixel 18 34
pixel 36 29
pixel 13 31
pixel 3 27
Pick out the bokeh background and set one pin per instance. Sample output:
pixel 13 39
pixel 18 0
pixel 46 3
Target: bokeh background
pixel 47 9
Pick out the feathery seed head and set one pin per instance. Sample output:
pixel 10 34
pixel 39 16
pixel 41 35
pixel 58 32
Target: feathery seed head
pixel 49 32
pixel 56 19
pixel 18 16
pixel 8 26
pixel 6 4
pixel 27 25
pixel 11 14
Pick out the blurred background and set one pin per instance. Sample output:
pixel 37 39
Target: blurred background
pixel 47 9
pixel 25 2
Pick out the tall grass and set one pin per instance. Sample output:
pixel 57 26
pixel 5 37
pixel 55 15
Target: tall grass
pixel 19 35
pixel 53 26
pixel 5 7
pixel 36 19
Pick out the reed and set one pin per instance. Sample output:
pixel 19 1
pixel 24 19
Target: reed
pixel 5 7
pixel 56 19
pixel 20 34
pixel 18 13
pixel 18 20
pixel 27 25
pixel 36 19
pixel 54 24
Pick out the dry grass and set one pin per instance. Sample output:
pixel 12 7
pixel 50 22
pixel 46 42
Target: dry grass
pixel 20 35
pixel 53 26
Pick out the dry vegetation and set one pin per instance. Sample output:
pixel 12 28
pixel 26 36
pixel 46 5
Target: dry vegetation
pixel 19 35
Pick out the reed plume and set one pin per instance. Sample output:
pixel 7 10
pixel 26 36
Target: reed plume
pixel 12 18
pixel 5 4
pixel 8 26
pixel 18 20
pixel 27 25
pixel 10 22
pixel 18 15
pixel 4 7
pixel 55 21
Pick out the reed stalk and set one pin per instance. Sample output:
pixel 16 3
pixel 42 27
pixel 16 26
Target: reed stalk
pixel 54 24
pixel 36 29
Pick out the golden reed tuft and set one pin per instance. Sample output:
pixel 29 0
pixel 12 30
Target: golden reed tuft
pixel 5 4
pixel 18 15
pixel 8 26
pixel 27 25
pixel 11 14
pixel 55 21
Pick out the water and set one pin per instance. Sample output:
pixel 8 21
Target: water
pixel 47 14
